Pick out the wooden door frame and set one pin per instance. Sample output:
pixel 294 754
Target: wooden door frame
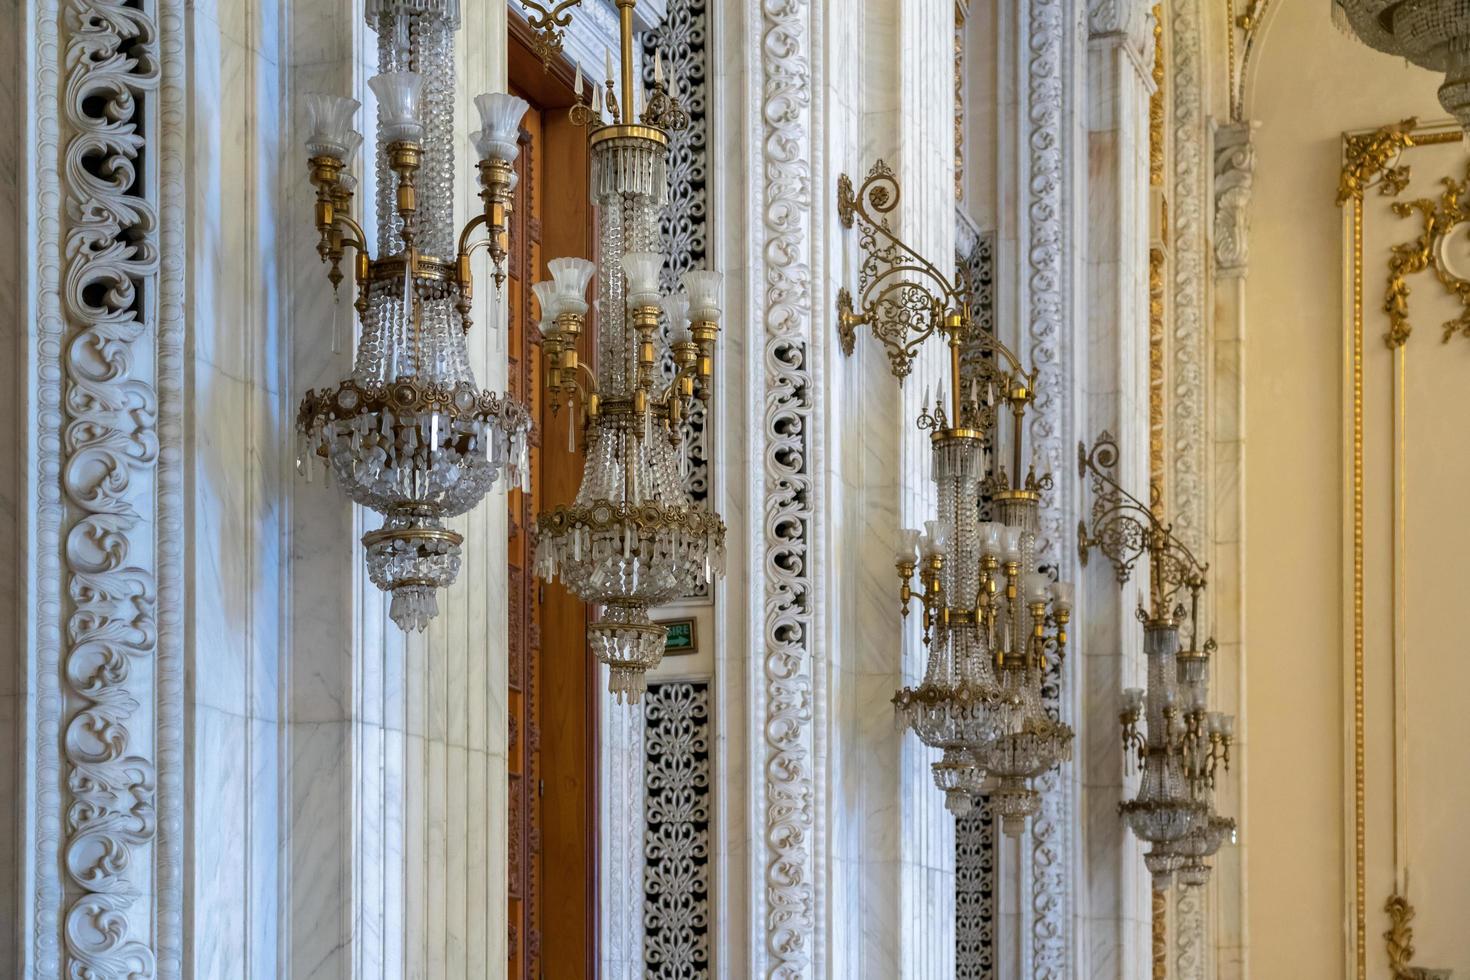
pixel 566 739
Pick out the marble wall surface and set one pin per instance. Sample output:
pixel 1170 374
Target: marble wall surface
pixel 345 811
pixel 15 443
pixel 1114 904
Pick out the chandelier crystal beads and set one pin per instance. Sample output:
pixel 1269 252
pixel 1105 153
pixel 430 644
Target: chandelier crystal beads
pixel 409 434
pixel 1177 743
pixel 992 621
pixel 632 538
pixel 1433 34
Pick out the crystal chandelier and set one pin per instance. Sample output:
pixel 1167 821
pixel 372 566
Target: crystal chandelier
pixel 1168 730
pixel 408 433
pixel 1433 34
pixel 991 618
pixel 633 538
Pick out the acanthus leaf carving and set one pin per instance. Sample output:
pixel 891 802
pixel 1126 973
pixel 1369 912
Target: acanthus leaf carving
pixel 1188 231
pixel 1235 164
pixel 110 349
pixel 789 487
pixel 1048 247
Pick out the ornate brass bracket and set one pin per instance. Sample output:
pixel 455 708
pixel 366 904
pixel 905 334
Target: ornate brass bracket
pixel 548 28
pixel 902 296
pixel 1125 529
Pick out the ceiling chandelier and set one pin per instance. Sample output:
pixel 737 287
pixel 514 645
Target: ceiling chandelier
pixel 408 434
pixel 1433 34
pixel 992 621
pixel 1168 729
pixel 633 538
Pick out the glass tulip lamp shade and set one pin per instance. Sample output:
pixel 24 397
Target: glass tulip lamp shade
pixel 500 121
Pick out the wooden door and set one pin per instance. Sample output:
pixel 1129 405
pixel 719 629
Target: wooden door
pixel 552 894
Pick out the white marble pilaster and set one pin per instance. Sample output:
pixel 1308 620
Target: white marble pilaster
pixel 335 619
pixel 622 819
pixel 1113 909
pixel 240 422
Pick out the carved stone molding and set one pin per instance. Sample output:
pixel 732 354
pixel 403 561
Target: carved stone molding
pixel 1125 19
pixel 1235 165
pixel 1188 236
pixel 1190 948
pixel 108 372
pixel 789 365
pixel 1048 288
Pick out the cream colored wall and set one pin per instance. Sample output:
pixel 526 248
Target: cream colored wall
pixel 1308 85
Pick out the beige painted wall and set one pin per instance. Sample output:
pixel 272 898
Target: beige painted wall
pixel 1308 85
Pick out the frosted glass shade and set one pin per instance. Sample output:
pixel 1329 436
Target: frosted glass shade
pixel 546 298
pixel 990 533
pixel 571 276
pixel 329 126
pixel 641 269
pixel 676 310
pixel 399 95
pixel 1010 543
pixel 500 117
pixel 938 535
pixel 704 293
pixel 1038 586
pixel 1062 593
pixel 354 143
pixel 1133 700
pixel 908 546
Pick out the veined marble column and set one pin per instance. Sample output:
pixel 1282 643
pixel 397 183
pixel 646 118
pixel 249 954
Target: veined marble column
pixel 1114 917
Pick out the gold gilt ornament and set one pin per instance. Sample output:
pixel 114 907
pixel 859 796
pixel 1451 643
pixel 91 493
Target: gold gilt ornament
pixel 1440 219
pixel 633 538
pixel 991 619
pixel 408 433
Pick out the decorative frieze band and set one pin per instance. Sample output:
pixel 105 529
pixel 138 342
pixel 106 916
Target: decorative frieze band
pixel 1050 149
pixel 108 371
pixel 676 836
pixel 788 496
pixel 1188 233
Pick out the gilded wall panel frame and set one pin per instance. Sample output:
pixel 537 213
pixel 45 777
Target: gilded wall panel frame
pixel 1405 229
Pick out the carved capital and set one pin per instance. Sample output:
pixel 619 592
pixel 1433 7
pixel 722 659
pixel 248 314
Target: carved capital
pixel 1235 164
pixel 1128 20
